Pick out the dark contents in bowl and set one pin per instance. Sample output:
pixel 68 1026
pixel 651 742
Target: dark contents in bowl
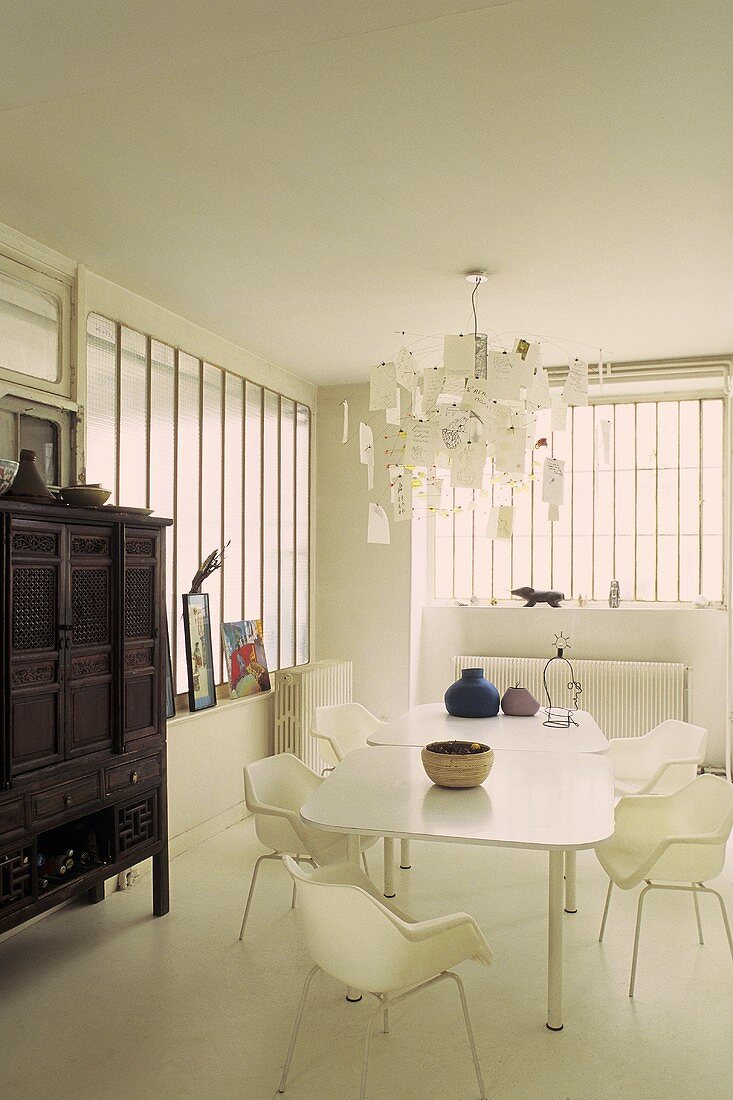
pixel 457 748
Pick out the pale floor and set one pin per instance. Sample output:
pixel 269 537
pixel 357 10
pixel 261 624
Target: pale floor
pixel 103 1002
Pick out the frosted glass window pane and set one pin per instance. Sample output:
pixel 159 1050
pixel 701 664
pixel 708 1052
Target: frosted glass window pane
pixel 521 561
pixel 561 563
pixel 645 567
pixel 582 566
pixel 211 489
pixel 689 567
pixel 603 572
pixel 287 533
pixel 252 504
pixel 187 517
pixel 101 462
pixel 625 431
pixel 302 536
pixel 233 497
pixel 443 557
pixel 463 528
pixel 270 530
pixel 481 558
pixel 503 569
pixel 133 419
pixel 712 567
pixel 29 330
pixel 667 568
pixel 646 436
pixel 162 452
pixel 625 566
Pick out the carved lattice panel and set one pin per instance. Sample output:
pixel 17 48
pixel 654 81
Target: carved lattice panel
pixel 140 547
pixel 34 608
pixel 90 606
pixel 31 542
pixel 139 603
pixel 87 545
pixel 97 665
pixel 136 824
pixel 31 675
pixel 16 881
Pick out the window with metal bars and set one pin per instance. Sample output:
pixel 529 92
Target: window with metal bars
pixel 644 504
pixel 228 460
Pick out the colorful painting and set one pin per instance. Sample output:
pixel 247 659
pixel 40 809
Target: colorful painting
pixel 246 660
pixel 199 654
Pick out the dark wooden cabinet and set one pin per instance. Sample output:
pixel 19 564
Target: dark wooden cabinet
pixel 82 714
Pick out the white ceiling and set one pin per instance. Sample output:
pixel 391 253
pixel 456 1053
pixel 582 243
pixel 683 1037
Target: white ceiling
pixel 306 178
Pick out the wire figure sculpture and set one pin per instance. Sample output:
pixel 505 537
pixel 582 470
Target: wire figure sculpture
pixel 561 717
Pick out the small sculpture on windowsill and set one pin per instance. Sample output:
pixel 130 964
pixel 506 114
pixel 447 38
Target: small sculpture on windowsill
pixel 207 567
pixel 561 717
pixel 533 598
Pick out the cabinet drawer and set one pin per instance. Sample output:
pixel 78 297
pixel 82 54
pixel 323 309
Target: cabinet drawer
pixel 70 796
pixel 128 776
pixel 11 816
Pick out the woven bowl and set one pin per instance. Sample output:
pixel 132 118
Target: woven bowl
pixel 457 769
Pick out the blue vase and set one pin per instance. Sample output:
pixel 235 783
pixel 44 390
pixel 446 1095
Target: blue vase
pixel 473 696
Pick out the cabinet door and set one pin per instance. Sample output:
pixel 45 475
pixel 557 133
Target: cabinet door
pixel 141 609
pixel 36 644
pixel 89 660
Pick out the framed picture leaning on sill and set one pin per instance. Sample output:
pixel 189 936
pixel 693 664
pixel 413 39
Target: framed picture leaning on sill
pixel 199 652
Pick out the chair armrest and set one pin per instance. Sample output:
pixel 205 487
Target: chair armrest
pixel 664 767
pixel 335 747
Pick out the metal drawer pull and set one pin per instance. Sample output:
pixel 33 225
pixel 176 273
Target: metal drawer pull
pixel 133 777
pixel 67 800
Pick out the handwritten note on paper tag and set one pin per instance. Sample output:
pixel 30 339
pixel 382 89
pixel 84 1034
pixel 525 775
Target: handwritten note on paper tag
pixel 504 375
pixel 467 466
pixel 476 398
pixel 432 387
pixel 396 448
pixel 575 390
pixel 603 442
pixel 528 353
pixel 453 423
pixel 393 415
pixel 510 456
pixel 405 369
pixel 420 445
pixel 378 526
pixel 553 513
pixel 559 413
pixel 434 487
pixel 401 494
pixel 345 432
pixel 498 418
pixel 553 481
pixel 501 522
pixel 459 355
pixel 538 393
pixel 366 444
pixel 382 387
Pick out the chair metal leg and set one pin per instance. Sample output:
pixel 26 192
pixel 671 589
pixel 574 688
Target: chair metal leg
pixel 697 913
pixel 364 861
pixel 258 864
pixel 642 895
pixel 469 1029
pixel 724 915
pixel 605 910
pixel 405 859
pixel 385 1015
pixel 296 1028
pixel 389 890
pixel 295 889
pixel 367 1050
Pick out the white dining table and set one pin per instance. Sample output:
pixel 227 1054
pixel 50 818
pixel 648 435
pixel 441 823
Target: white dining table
pixel 552 801
pixel 431 722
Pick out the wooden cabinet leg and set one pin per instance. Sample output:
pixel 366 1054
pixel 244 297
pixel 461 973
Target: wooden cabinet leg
pixel 161 894
pixel 95 893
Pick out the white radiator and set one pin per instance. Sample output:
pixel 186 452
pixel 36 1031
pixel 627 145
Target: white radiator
pixel 626 698
pixel 297 691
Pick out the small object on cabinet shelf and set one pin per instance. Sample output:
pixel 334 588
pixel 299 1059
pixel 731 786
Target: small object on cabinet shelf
pixel 533 598
pixel 457 764
pixel 519 702
pixel 84 496
pixel 28 485
pixel 199 653
pixel 561 717
pixel 614 594
pixel 8 470
pixel 473 696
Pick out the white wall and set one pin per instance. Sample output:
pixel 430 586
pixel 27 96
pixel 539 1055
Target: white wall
pixel 363 604
pixel 693 637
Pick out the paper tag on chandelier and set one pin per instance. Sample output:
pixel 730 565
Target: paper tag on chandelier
pixel 382 387
pixel 501 522
pixel 467 466
pixel 459 355
pixel 378 525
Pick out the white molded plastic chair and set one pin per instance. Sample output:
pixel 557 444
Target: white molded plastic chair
pixel 355 937
pixel 341 728
pixel 662 761
pixel 679 838
pixel 274 790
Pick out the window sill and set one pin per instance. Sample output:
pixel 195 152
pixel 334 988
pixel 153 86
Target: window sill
pixel 223 701
pixel 573 605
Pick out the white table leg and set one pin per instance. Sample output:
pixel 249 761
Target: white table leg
pixel 405 862
pixel 389 890
pixel 554 943
pixel 570 865
pixel 353 853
